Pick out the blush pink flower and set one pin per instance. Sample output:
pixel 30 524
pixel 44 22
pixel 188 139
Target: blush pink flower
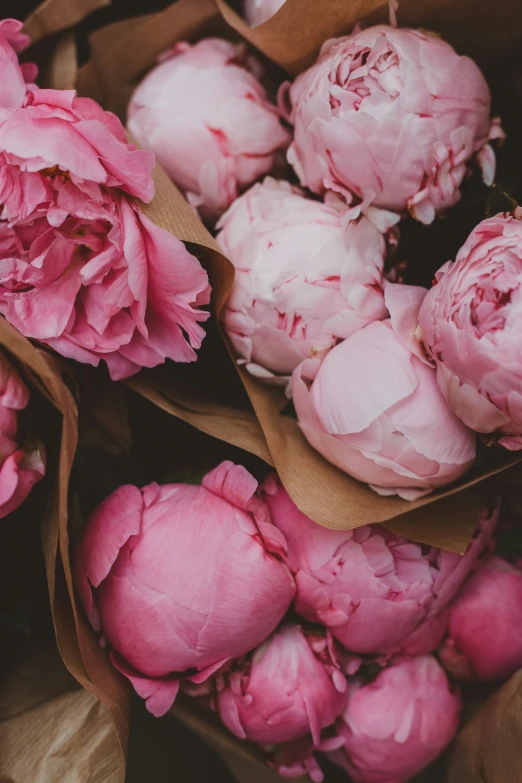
pixel 82 269
pixel 399 436
pixel 259 11
pixel 396 725
pixel 207 117
pixel 485 624
pixel 289 687
pixel 21 465
pixel 391 116
pixel 471 326
pixel 14 76
pixel 375 591
pixel 307 275
pixel 181 578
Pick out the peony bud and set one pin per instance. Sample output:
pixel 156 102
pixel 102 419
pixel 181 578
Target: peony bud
pixel 307 275
pixel 471 326
pixel 182 577
pixel 205 114
pixel 396 725
pixel 392 117
pixel 287 688
pixel 485 624
pixel 400 436
pixel 376 592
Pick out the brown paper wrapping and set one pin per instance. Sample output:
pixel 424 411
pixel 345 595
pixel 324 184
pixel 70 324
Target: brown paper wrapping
pixel 53 16
pixel 121 54
pixel 487 750
pixel 50 730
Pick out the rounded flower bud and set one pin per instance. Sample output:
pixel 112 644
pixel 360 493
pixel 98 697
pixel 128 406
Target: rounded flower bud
pixel 181 577
pixel 396 725
pixel 399 436
pixel 307 275
pixel 391 116
pixel 375 591
pixel 471 326
pixel 21 465
pixel 485 624
pixel 205 114
pixel 287 688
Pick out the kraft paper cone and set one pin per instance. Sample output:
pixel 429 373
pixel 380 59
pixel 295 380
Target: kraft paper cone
pixel 487 749
pixel 60 70
pixel 53 16
pixel 50 730
pixel 293 36
pixel 121 54
pixel 77 643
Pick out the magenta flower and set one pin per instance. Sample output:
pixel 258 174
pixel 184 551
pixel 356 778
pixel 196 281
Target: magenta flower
pixel 485 624
pixel 181 579
pixel 289 687
pixel 399 723
pixel 377 592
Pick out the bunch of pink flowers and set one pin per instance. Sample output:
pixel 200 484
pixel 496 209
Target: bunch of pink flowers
pixel 387 123
pixel 304 640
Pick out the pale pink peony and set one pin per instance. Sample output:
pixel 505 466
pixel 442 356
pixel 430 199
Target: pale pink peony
pixel 398 436
pixel 207 117
pixel 391 116
pixel 471 326
pixel 81 268
pixel 396 725
pixel 307 275
pixel 181 578
pixel 259 11
pixel 21 465
pixel 289 687
pixel 14 76
pixel 376 592
pixel 485 624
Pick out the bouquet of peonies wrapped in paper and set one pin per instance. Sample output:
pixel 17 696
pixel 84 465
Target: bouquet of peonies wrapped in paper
pixel 325 243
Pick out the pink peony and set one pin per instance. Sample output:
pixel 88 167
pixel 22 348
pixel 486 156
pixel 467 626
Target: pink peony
pixel 399 436
pixel 471 326
pixel 485 624
pixel 181 578
pixel 259 11
pixel 391 116
pixel 21 466
pixel 13 75
pixel 207 117
pixel 399 723
pixel 377 592
pixel 81 268
pixel 307 275
pixel 287 688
